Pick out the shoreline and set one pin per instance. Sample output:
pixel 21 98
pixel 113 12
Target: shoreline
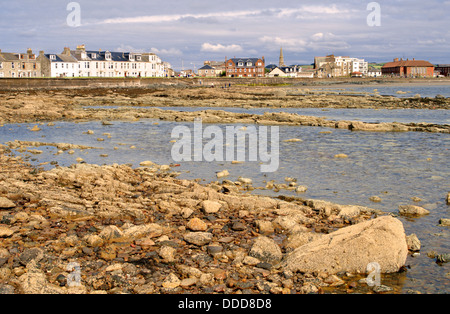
pixel 145 231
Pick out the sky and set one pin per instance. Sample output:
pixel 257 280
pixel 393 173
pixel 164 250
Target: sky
pixel 188 32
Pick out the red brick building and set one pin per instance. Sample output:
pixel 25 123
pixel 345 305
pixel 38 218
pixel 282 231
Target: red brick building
pixel 245 67
pixel 408 68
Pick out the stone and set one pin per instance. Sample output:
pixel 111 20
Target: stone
pixel 351 249
pixel 167 253
pixel 5 232
pixel 171 282
pixel 266 250
pixel 222 174
pixel 246 181
pixel 111 233
pixel 147 163
pixel 32 254
pixel 6 203
pixel 264 227
pixel 413 243
pixel 301 189
pixel 444 222
pixel 412 210
pixel 149 230
pixel 340 156
pixel 196 224
pixel 211 207
pixel 198 238
pixel 93 240
pixel 448 198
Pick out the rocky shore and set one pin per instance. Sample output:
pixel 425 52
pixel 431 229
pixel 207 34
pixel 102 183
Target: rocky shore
pixel 114 229
pixel 77 105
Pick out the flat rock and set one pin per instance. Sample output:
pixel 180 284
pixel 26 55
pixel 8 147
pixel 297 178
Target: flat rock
pixel 351 249
pixel 6 203
pixel 198 238
pixel 266 250
pixel 412 210
pixel 5 232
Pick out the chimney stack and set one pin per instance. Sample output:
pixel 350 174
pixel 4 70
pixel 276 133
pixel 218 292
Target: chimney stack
pixel 66 51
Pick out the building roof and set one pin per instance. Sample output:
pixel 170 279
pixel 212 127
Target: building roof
pixel 6 56
pixel 244 60
pixel 206 67
pixel 408 63
pixel 60 58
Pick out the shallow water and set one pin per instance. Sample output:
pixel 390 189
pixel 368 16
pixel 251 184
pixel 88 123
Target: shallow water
pixel 402 91
pixel 393 166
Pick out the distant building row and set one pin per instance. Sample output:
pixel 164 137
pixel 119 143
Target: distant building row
pixel 83 63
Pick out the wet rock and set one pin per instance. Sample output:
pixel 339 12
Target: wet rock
pixel 443 258
pixel 340 156
pixel 222 174
pixel 6 203
pixel 352 248
pixel 412 210
pixel 444 222
pixel 382 289
pixel 413 243
pixel 448 198
pixel 266 250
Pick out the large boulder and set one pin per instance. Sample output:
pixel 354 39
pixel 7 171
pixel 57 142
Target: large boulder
pixel 351 249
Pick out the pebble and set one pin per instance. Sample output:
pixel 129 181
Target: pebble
pixel 198 238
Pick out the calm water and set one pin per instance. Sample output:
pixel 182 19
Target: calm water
pixel 393 166
pixel 392 90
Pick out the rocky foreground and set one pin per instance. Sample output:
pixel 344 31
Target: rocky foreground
pixel 114 229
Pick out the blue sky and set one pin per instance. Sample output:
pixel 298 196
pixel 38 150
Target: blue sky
pixel 188 32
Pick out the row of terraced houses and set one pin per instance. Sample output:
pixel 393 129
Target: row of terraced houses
pixel 82 63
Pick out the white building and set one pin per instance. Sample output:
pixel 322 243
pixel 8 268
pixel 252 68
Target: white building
pixel 84 63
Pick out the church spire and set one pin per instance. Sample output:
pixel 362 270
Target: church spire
pixel 281 63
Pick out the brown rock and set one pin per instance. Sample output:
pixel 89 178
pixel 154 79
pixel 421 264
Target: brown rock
pixel 351 249
pixel 196 224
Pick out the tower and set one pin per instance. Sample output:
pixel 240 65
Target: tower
pixel 281 63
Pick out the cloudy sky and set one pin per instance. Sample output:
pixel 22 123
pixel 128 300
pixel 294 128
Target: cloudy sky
pixel 188 32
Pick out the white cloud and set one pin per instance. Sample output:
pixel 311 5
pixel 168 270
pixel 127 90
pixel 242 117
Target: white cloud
pixel 167 52
pixel 288 43
pixel 300 12
pixel 207 47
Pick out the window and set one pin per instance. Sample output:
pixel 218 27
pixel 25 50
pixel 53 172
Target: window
pixel 249 64
pixel 12 65
pixel 52 57
pixel 108 56
pixel 241 64
pixel 1 65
